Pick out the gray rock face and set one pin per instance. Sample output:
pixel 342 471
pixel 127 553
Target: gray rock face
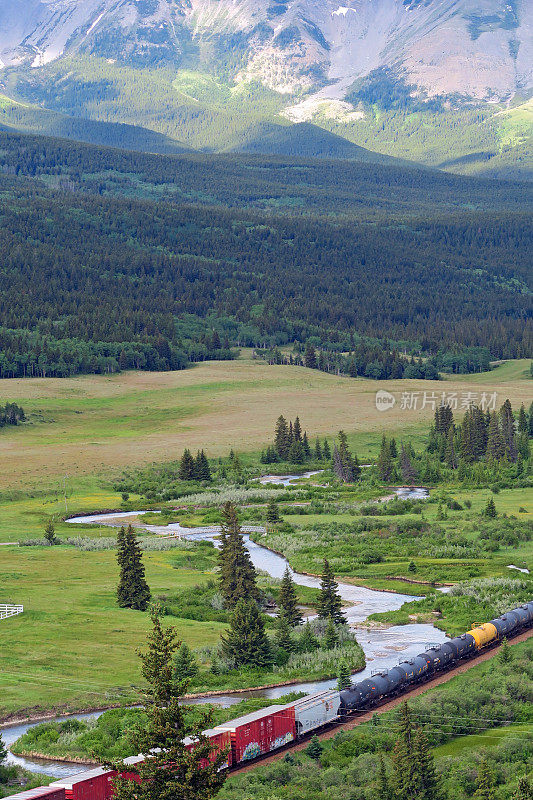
pixel 479 49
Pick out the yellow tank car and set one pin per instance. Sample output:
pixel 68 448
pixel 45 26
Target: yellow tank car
pixel 483 634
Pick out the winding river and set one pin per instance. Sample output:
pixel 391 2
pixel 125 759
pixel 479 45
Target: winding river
pixel 383 648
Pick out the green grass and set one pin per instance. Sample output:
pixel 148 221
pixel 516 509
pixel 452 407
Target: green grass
pixel 73 647
pixel 490 738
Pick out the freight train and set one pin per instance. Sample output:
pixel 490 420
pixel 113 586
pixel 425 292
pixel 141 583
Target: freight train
pixel 272 728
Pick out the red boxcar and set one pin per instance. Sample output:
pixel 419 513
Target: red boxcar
pixel 96 784
pixel 45 792
pixel 220 740
pixel 260 732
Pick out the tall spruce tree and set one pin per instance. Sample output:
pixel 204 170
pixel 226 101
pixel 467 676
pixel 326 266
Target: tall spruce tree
pixel 237 573
pixel 288 600
pixel 308 641
pixel 169 771
pixel 272 513
pixel 283 634
pixel 429 786
pixel 281 438
pixel 326 450
pixel 343 677
pixel 508 431
pixel 486 784
pixel 246 642
pixel 297 430
pixel 133 590
pixel 495 440
pixel 384 463
pixel 382 791
pixel 318 450
pixel 329 602
pixel 450 454
pixel 405 779
pixel 3 751
pixel 185 664
pixel 522 420
pixel 186 471
pixel 201 467
pixel 407 469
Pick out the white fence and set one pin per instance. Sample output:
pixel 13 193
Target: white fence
pixel 10 611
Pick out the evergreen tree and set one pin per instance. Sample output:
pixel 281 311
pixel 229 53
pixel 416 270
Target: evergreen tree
pixel 508 431
pixel 133 590
pixel 305 446
pixel 523 447
pixel 486 784
pixel 384 462
pixel 450 454
pixel 272 513
pixel 50 533
pixel 406 783
pixel 393 448
pixel 408 471
pixel 308 641
pixel 427 780
pixel 3 751
pixel 318 450
pixel 296 453
pixel 310 356
pixel 288 600
pixel 343 677
pixel 314 748
pixel 326 452
pixel 329 601
pixel 237 573
pixel 382 784
pixel 345 465
pixel 186 471
pixel 283 634
pixel 478 433
pixel 297 430
pixel 495 440
pixel 246 642
pixel 331 637
pixel 281 439
pixel 530 421
pixel 170 771
pixel 490 509
pixel 201 467
pixel 522 420
pixel 505 655
pixel 185 664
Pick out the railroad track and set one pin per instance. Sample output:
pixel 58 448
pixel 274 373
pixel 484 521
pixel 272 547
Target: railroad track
pixel 386 705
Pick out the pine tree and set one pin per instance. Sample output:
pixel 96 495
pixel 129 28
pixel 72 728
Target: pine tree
pixel 281 439
pixel 331 637
pixel 486 784
pixel 310 356
pixel 314 748
pixel 326 451
pixel 272 513
pixel 283 634
pixel 296 453
pixel 201 467
pixel 170 770
pixel 50 533
pixel 408 471
pixel 343 677
pixel 318 450
pixel 508 431
pixel 406 783
pixel 308 641
pixel 530 421
pixel 237 573
pixel 305 446
pixel 522 420
pixel 297 430
pixel 427 780
pixel 347 465
pixel 133 590
pixel 523 447
pixel 185 664
pixel 495 440
pixel 505 655
pixel 393 448
pixel 288 600
pixel 450 454
pixel 490 509
pixel 329 601
pixel 186 471
pixel 384 463
pixel 382 791
pixel 246 642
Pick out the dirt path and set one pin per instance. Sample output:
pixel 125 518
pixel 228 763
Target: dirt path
pixel 366 716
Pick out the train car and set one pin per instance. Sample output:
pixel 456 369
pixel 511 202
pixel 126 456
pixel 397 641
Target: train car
pixel 506 624
pixel 220 741
pixel 260 732
pixel 484 634
pixel 95 784
pixel 464 644
pixel 39 793
pixel 315 710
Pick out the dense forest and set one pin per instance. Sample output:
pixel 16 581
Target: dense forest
pixel 96 282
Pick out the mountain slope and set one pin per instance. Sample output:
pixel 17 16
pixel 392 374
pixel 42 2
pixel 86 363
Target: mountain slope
pixel 480 49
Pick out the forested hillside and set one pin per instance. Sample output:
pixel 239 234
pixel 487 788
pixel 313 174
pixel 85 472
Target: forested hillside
pixel 94 278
